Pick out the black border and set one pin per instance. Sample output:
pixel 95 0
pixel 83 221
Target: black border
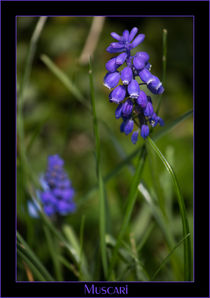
pixel 199 9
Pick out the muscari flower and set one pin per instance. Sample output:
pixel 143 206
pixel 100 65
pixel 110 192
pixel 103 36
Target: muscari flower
pixel 134 106
pixel 58 193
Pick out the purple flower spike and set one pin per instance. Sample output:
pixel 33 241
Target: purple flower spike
pixel 132 34
pixel 111 65
pixel 155 86
pixel 148 111
pixel 118 94
pixel 118 111
pixel 134 89
pixel 126 75
pixel 134 137
pixel 142 99
pixel 144 131
pixel 120 59
pixel 111 79
pixel 59 187
pixel 133 103
pixel 127 108
pixel 139 38
pixel 128 127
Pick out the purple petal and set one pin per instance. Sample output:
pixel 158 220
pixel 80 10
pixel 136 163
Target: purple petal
pixel 139 38
pixel 134 137
pixel 142 99
pixel 120 59
pixel 148 111
pixel 132 34
pixel 116 36
pixel 127 108
pixel 112 50
pixel 125 35
pixel 145 75
pixel 144 131
pixel 134 89
pixel 111 79
pixel 118 111
pixel 118 94
pixel 126 75
pixel 111 65
pixel 129 124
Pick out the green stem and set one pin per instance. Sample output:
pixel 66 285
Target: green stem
pixel 102 207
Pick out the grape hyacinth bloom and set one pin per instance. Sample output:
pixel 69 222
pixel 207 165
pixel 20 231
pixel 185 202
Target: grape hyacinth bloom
pixel 134 105
pixel 58 194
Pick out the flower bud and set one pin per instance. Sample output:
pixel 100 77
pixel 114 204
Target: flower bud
pixel 142 99
pixel 120 59
pixel 134 89
pixel 126 75
pixel 144 131
pixel 148 111
pixel 127 108
pixel 111 65
pixel 155 86
pixel 140 60
pixel 139 38
pixel 111 79
pixel 128 127
pixel 118 111
pixel 134 137
pixel 118 94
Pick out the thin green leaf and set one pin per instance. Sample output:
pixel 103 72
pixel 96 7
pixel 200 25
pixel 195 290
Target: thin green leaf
pixel 166 259
pixel 30 254
pixel 127 160
pixel 163 225
pixel 163 131
pixel 185 225
pixel 129 208
pixel 64 79
pixel 102 208
pixel 33 268
pixel 54 251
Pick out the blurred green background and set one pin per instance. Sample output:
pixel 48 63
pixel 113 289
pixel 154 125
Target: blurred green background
pixel 55 122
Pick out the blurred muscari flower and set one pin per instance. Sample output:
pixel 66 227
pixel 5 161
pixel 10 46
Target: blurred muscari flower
pixel 134 106
pixel 58 193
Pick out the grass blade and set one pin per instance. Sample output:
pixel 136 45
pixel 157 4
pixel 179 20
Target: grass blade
pixel 166 259
pixel 64 80
pixel 163 131
pixel 185 225
pixel 33 268
pixel 133 154
pixel 102 211
pixel 163 225
pixel 30 56
pixel 129 208
pixel 54 251
pixel 26 250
